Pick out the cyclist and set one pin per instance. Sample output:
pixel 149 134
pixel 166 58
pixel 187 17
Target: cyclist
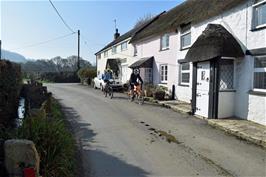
pixel 107 76
pixel 134 80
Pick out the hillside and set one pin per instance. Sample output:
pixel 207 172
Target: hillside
pixel 56 64
pixel 13 56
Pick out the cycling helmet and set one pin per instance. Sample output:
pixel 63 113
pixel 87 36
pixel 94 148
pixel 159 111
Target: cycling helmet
pixel 136 71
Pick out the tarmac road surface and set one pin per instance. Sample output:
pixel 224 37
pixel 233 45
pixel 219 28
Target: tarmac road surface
pixel 121 138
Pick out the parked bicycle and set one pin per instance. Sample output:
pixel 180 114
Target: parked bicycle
pixel 108 90
pixel 138 94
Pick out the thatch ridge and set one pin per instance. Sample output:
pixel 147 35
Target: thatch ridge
pixel 190 11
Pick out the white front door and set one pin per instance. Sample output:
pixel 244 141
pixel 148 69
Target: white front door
pixel 203 87
pixel 124 73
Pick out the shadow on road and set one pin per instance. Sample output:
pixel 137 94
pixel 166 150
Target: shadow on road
pixel 94 162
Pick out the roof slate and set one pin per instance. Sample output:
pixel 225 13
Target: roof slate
pixel 129 34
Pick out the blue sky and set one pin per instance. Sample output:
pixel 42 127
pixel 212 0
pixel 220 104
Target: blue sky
pixel 28 22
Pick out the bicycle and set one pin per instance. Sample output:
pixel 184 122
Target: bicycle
pixel 137 93
pixel 108 90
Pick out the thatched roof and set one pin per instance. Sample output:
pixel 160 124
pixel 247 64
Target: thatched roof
pixel 129 34
pixel 143 63
pixel 215 41
pixel 191 11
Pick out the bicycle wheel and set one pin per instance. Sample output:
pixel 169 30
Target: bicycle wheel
pixel 110 92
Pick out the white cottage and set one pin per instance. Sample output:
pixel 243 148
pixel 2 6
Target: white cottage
pixel 214 53
pixel 119 54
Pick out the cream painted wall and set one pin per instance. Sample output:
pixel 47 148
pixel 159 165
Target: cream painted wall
pixel 123 55
pixel 151 48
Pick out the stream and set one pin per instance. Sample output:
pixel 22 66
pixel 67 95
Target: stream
pixel 21 111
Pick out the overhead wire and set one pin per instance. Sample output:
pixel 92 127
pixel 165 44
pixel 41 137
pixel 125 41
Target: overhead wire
pixel 44 42
pixel 61 17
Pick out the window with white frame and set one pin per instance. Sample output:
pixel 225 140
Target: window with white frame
pixel 114 49
pixel 185 37
pixel 135 50
pixel 124 46
pixel 260 73
pixel 148 75
pixel 184 72
pixel 259 14
pixel 106 53
pixel 165 42
pixel 164 73
pixel 99 56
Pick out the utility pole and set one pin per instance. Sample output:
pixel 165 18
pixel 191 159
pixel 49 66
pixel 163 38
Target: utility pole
pixel 0 49
pixel 78 49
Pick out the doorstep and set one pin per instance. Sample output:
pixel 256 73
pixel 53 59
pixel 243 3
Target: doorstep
pixel 243 129
pixel 176 105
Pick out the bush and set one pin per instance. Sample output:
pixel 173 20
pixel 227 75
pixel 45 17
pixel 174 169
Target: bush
pixel 87 74
pixel 60 77
pixel 155 91
pixel 53 141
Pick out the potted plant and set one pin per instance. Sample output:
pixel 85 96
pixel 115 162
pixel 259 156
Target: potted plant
pixel 148 90
pixel 159 93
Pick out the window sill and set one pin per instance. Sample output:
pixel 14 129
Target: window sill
pixel 228 90
pixel 163 83
pixel 161 50
pixel 183 85
pixel 185 48
pixel 258 28
pixel 258 93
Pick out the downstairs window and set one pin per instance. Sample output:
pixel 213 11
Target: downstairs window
pixel 259 82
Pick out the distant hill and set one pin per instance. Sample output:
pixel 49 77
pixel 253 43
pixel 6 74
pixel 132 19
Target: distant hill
pixel 13 56
pixel 56 64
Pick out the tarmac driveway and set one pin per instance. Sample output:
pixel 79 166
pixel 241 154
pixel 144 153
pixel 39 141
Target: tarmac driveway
pixel 120 138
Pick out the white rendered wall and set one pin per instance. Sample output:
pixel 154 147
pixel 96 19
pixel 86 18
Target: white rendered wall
pixel 257 109
pixel 125 54
pixel 226 104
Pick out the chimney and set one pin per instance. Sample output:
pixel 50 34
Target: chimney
pixel 116 35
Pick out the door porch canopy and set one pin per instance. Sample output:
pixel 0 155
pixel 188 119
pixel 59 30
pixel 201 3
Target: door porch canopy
pixel 214 42
pixel 143 63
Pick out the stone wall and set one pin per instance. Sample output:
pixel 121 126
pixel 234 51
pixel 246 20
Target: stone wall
pixel 34 93
pixel 10 85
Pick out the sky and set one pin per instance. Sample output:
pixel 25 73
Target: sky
pixel 24 23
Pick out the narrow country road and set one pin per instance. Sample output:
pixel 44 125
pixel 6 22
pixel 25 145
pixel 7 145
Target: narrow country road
pixel 120 138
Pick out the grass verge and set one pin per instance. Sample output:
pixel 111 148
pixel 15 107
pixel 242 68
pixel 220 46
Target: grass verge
pixel 54 142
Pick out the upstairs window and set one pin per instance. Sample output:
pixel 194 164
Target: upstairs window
pixel 185 37
pixel 184 74
pixel 165 42
pixel 106 54
pixel 135 51
pixel 260 73
pixel 99 56
pixel 164 73
pixel 259 14
pixel 114 49
pixel 124 46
